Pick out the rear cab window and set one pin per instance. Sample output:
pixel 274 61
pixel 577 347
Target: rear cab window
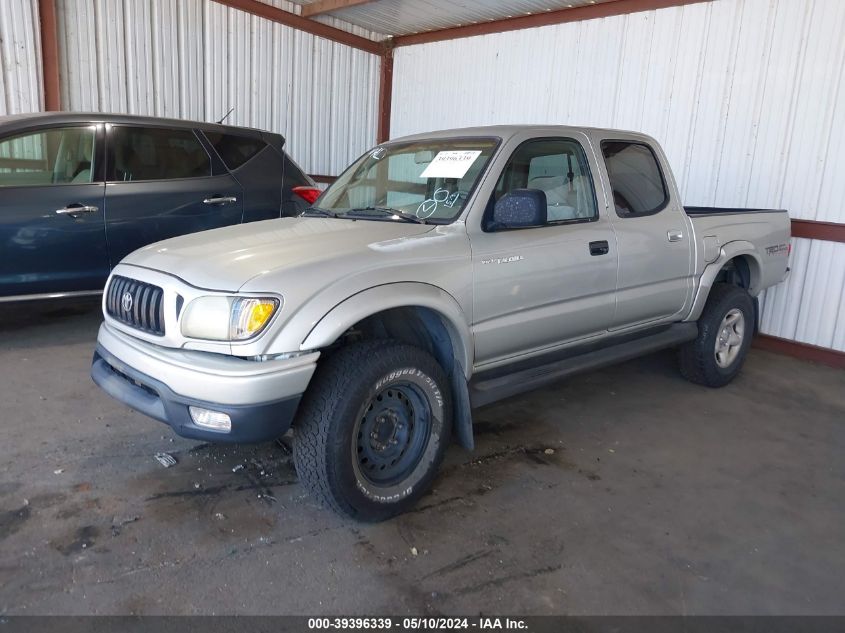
pixel 635 177
pixel 149 153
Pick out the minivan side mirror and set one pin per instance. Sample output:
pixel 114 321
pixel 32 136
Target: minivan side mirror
pixel 519 209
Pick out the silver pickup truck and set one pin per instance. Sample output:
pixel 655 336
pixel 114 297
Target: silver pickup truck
pixel 440 272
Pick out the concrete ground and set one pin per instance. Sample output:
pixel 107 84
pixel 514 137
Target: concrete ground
pixel 660 497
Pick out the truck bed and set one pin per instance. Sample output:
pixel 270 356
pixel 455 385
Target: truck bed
pixel 767 229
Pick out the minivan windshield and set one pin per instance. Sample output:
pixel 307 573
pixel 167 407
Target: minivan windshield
pixel 427 181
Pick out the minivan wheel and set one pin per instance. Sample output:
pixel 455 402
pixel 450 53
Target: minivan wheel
pixel 725 330
pixel 372 429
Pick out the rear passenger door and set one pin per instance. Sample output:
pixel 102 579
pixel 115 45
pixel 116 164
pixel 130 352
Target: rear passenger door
pixel 162 182
pixel 536 288
pixel 652 234
pixel 258 168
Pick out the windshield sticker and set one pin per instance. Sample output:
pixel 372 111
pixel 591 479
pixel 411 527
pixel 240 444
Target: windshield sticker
pixel 451 164
pixel 377 153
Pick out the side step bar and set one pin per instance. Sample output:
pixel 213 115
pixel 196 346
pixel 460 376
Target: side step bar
pixel 499 387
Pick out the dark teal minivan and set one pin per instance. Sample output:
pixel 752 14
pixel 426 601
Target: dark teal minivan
pixel 78 192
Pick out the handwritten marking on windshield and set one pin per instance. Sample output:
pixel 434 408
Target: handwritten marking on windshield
pixel 429 206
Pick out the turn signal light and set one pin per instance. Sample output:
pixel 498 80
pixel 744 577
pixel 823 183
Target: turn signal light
pixel 215 420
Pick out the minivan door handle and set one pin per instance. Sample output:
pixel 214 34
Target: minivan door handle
pixel 220 200
pixel 674 235
pixel 599 248
pixel 77 208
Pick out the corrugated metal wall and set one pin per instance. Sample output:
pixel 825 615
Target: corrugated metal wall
pixel 20 61
pixel 196 59
pixel 746 96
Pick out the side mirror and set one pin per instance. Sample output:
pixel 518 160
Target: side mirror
pixel 520 209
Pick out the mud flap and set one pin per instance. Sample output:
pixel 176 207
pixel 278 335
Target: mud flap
pixel 462 409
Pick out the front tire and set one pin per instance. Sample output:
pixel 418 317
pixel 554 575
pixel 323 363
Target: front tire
pixel 725 330
pixel 373 428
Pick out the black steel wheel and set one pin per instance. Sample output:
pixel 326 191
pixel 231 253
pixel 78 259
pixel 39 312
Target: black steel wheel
pixel 372 428
pixel 392 435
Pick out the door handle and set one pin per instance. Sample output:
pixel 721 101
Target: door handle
pixel 220 200
pixel 77 208
pixel 673 235
pixel 599 248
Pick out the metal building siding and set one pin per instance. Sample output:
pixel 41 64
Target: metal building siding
pixel 196 59
pixel 746 96
pixel 20 57
pixel 810 307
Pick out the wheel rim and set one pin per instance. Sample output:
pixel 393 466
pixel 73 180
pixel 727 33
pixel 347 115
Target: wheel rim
pixel 392 434
pixel 729 338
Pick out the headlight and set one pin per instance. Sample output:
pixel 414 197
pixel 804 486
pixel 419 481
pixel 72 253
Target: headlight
pixel 227 318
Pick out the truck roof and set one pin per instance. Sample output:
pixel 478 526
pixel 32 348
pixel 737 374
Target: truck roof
pixel 506 131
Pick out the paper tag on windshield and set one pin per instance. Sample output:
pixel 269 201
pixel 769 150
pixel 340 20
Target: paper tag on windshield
pixel 451 164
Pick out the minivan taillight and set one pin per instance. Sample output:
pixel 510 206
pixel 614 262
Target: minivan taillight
pixel 309 194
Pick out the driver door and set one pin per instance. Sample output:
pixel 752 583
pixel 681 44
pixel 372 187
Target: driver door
pixel 538 288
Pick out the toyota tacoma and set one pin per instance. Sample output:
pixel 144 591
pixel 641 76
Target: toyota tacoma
pixel 439 273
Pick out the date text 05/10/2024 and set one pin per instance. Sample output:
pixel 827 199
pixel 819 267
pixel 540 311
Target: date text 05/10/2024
pixel 417 624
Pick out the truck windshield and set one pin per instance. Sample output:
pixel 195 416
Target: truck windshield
pixel 425 181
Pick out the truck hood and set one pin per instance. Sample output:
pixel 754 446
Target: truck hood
pixel 225 259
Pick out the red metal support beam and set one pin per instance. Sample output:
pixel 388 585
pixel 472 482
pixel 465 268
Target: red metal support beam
pixel 49 55
pixel 559 16
pixel 320 7
pixel 385 96
pixel 319 29
pixel 828 231
pixel 813 353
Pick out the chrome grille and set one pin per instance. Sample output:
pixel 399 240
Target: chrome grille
pixel 137 304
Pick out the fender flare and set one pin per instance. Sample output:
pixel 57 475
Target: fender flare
pixel 405 295
pixel 396 295
pixel 729 251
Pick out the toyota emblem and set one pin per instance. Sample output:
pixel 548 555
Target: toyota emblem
pixel 126 301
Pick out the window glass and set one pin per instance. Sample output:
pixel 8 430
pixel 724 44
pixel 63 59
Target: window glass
pixel 559 168
pixel 143 153
pixel 638 186
pixel 430 180
pixel 56 156
pixel 235 150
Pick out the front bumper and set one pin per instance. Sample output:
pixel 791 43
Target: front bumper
pixel 260 397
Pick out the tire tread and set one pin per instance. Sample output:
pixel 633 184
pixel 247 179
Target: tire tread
pixel 326 394
pixel 695 358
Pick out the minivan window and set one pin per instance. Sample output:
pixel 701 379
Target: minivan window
pixel 635 177
pixel 234 149
pixel 558 167
pixel 56 156
pixel 146 153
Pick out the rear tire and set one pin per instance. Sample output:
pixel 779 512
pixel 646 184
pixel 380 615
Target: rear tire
pixel 725 330
pixel 372 429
